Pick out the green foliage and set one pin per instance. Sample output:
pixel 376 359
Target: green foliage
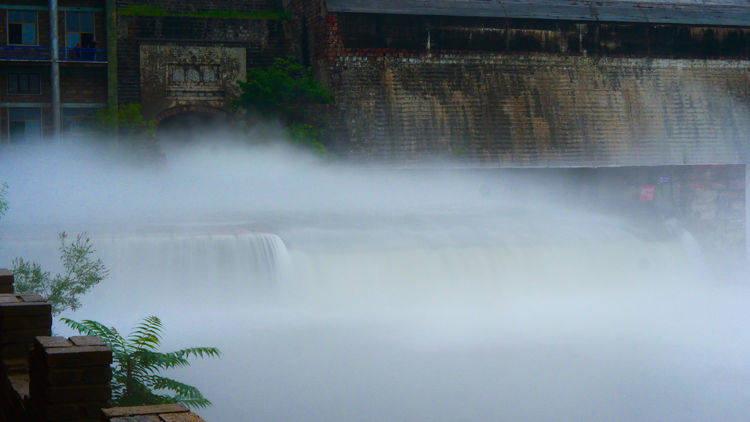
pixel 136 133
pixel 137 364
pixel 233 14
pixel 149 10
pixel 141 10
pixel 127 119
pixel 308 136
pixel 3 201
pixel 283 90
pixel 81 271
pixel 286 91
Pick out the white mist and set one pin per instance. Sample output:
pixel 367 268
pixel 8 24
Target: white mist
pixel 342 293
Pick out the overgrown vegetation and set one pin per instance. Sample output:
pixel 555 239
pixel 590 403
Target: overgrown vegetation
pixel 127 119
pixel 133 130
pixel 137 364
pixel 150 10
pixel 81 272
pixel 286 91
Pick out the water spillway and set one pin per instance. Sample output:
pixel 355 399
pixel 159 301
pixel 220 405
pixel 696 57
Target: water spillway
pixel 363 296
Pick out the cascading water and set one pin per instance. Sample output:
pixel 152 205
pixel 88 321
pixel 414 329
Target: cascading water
pixel 344 296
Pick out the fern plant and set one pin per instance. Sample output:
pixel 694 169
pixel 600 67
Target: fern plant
pixel 137 364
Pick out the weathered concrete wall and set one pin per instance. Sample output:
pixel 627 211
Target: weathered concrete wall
pixel 522 110
pixel 174 76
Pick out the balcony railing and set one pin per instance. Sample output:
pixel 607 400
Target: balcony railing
pixel 83 54
pixel 67 54
pixel 24 52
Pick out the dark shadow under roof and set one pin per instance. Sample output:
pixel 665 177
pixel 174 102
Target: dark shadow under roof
pixel 686 12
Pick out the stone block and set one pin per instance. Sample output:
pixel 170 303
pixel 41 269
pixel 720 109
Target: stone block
pixel 72 393
pixel 22 318
pixel 69 378
pixel 6 281
pixel 86 411
pixel 144 410
pixel 25 322
pixel 161 413
pixel 84 375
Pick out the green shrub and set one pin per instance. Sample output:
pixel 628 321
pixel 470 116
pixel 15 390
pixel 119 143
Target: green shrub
pixel 81 272
pixel 137 364
pixel 286 91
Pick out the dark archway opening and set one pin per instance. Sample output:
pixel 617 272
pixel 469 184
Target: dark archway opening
pixel 192 126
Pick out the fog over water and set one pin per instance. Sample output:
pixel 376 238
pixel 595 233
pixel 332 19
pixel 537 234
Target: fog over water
pixel 339 292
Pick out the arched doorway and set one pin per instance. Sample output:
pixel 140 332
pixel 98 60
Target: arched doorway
pixel 191 123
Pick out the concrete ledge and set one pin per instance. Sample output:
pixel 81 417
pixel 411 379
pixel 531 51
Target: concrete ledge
pixel 158 413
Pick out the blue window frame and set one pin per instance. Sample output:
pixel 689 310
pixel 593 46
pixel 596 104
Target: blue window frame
pixel 22 27
pixel 79 30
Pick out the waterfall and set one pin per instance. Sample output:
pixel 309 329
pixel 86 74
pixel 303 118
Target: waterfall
pixel 149 269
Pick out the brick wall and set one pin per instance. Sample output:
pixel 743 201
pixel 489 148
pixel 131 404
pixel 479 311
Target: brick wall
pixel 541 110
pixel 202 5
pixel 263 39
pixel 44 82
pixel 526 36
pixel 83 84
pixel 310 27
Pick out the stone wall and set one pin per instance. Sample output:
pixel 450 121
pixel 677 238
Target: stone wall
pixel 447 33
pixel 204 5
pixel 175 76
pixel 261 40
pixel 83 84
pixel 525 93
pixel 549 111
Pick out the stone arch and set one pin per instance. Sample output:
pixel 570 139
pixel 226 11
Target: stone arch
pixel 191 123
pixel 190 109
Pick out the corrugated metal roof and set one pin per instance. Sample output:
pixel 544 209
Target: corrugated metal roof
pixel 689 12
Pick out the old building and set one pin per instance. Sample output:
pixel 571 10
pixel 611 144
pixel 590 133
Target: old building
pixel 38 82
pixel 654 96
pixel 172 57
pixel 178 58
pixel 658 92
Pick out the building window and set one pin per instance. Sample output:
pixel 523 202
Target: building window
pixel 79 30
pixel 77 120
pixel 24 124
pixel 23 83
pixel 22 27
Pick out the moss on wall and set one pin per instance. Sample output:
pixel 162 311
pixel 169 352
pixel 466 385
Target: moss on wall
pixel 149 10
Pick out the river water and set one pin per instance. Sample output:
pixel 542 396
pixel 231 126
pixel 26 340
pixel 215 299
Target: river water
pixel 336 294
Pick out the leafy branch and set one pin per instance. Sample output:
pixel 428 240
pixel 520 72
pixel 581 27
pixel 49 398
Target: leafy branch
pixel 81 271
pixel 137 363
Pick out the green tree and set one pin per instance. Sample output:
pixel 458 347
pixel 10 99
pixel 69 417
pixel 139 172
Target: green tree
pixel 286 91
pixel 127 119
pixel 137 364
pixel 81 272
